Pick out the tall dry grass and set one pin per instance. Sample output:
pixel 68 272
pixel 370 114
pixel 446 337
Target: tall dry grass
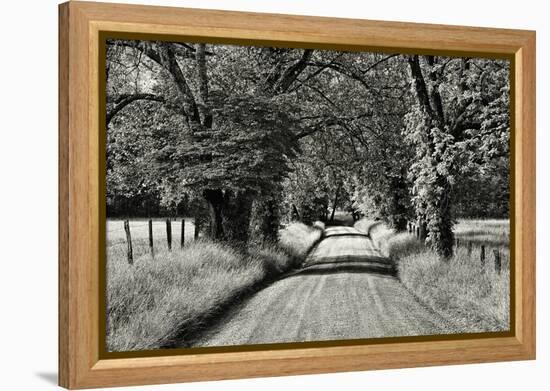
pixel 474 297
pixel 164 300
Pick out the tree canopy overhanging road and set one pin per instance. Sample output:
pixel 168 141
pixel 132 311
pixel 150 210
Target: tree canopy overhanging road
pixel 245 138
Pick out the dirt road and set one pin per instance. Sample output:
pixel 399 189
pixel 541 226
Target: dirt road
pixel 345 290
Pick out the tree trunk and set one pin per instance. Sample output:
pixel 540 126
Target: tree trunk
pixel 423 229
pixel 236 216
pixel 265 220
pixel 400 203
pixel 440 226
pixel 215 200
pixel 229 214
pixel 335 203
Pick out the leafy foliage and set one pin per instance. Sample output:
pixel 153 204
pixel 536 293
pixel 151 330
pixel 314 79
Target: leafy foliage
pixel 247 136
pixel 249 149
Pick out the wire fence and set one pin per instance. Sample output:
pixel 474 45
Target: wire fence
pixel 170 230
pixel 484 250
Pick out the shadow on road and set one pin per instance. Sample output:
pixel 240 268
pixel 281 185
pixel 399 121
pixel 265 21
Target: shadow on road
pixel 349 264
pixel 332 235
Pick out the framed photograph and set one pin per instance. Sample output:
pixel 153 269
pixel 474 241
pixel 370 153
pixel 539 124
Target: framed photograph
pixel 247 195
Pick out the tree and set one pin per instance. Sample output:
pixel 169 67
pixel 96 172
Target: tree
pixel 231 147
pixel 457 125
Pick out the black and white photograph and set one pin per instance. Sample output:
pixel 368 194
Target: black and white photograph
pixel 272 195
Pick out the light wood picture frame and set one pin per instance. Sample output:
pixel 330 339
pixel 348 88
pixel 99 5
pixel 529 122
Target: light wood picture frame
pixel 81 25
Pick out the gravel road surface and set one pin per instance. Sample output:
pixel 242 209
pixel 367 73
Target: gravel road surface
pixel 346 289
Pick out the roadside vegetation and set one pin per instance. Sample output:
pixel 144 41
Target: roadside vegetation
pixel 472 296
pixel 172 296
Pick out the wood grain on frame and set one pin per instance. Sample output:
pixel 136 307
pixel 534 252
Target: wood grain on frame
pixel 80 167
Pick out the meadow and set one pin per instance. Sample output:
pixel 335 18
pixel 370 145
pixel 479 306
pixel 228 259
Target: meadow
pixel 470 294
pixel 172 296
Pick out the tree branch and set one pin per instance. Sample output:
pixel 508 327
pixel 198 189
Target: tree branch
pixel 434 90
pixel 314 74
pixel 379 62
pixel 420 85
pixel 340 69
pixel 192 50
pixel 203 85
pixel 292 72
pixel 121 101
pixel 170 63
pixel 142 46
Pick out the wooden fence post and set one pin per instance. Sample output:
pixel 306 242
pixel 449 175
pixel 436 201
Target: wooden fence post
pixel 151 238
pixel 482 256
pixel 129 241
pixel 169 234
pixel 498 262
pixel 182 241
pixel 197 228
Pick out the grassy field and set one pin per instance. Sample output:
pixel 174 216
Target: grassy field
pixel 172 296
pixel 472 296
